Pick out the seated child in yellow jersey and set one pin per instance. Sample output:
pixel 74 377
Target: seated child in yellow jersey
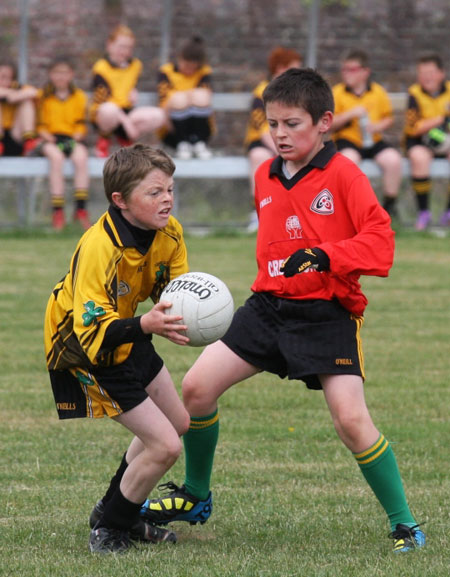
pixel 17 113
pixel 100 356
pixel 258 142
pixel 363 112
pixel 427 132
pixel 62 116
pixel 185 92
pixel 114 109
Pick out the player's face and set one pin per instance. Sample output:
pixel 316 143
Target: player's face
pixel 120 50
pixel 6 76
pixel 296 138
pixel 61 76
pixel 354 74
pixel 188 67
pixel 430 76
pixel 150 203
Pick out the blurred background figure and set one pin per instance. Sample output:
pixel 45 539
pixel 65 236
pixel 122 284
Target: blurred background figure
pixel 363 111
pixel 427 129
pixel 258 142
pixel 185 93
pixel 62 128
pixel 114 109
pixel 17 113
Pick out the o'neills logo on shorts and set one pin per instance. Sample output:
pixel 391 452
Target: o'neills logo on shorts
pixel 66 406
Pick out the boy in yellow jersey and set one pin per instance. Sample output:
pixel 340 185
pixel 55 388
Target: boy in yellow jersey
pixel 258 141
pixel 100 356
pixel 185 93
pixel 363 112
pixel 114 109
pixel 62 115
pixel 17 113
pixel 427 132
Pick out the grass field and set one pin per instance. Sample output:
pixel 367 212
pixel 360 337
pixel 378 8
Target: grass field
pixel 289 499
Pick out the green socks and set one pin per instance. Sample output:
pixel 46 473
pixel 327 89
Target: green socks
pixel 379 467
pixel 200 445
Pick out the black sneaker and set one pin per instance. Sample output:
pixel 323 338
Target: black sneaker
pixel 178 505
pixel 106 540
pixel 142 531
pixel 148 533
pixel 96 514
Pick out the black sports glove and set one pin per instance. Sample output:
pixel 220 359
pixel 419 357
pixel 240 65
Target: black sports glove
pixel 305 258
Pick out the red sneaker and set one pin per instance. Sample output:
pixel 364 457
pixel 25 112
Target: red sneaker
pixel 124 142
pixel 81 215
pixel 31 146
pixel 58 219
pixel 2 148
pixel 102 147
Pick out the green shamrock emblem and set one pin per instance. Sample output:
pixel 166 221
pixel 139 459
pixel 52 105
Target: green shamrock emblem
pixel 92 313
pixel 84 379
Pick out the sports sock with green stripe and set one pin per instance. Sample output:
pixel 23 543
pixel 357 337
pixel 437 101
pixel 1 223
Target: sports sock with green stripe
pixel 379 467
pixel 200 445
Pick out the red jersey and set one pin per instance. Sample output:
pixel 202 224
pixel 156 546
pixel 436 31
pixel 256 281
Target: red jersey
pixel 329 204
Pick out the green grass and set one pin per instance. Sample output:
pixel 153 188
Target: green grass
pixel 289 499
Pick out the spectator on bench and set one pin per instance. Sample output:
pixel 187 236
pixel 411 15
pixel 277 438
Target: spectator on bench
pixel 17 113
pixel 114 80
pixel 427 128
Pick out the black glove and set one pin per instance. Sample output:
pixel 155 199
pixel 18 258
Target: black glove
pixel 305 258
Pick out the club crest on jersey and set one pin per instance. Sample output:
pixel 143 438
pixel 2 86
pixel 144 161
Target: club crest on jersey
pixel 323 203
pixel 293 227
pixel 123 289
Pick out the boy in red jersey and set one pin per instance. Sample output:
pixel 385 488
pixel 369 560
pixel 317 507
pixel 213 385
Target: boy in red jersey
pixel 320 228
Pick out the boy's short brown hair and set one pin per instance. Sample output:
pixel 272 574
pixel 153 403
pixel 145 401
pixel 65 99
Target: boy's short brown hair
pixel 128 166
pixel 303 88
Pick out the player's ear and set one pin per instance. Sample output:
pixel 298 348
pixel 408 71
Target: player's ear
pixel 118 200
pixel 326 121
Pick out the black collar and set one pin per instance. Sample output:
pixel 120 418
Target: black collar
pixel 321 159
pixel 129 235
pixel 367 89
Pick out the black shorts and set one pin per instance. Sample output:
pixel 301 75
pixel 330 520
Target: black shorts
pixel 113 390
pixel 118 132
pixel 11 146
pixel 419 141
pixel 371 152
pixel 298 339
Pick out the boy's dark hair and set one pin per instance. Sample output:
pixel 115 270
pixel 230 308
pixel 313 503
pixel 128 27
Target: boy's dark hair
pixel 431 57
pixel 302 88
pixel 194 50
pixel 128 166
pixel 358 55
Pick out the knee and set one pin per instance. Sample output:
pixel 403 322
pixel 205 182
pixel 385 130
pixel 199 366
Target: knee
pixel 195 395
pixel 169 450
pixel 349 425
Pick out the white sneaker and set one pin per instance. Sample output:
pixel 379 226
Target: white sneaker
pixel 202 151
pixel 184 151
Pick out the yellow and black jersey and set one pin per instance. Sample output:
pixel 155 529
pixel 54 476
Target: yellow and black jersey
pixel 110 274
pixel 375 99
pixel 423 106
pixel 8 109
pixel 257 124
pixel 62 116
pixel 111 83
pixel 171 80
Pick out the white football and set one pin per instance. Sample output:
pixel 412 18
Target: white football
pixel 204 302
